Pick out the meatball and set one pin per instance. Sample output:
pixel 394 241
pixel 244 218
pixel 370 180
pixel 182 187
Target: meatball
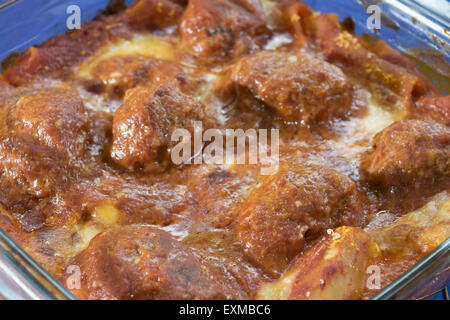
pixel 407 152
pixel 55 117
pixel 120 200
pixel 37 169
pixel 148 263
pixel 226 190
pixel 222 29
pixel 41 134
pixel 143 125
pixel 291 208
pixel 296 85
pixel 116 75
pixel 434 108
pixel 31 174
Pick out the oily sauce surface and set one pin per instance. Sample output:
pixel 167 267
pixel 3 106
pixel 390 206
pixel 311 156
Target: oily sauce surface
pixel 86 119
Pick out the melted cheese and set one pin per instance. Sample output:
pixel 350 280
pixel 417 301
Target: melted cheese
pixel 357 133
pixel 278 290
pixel 278 40
pixel 107 214
pixel 272 13
pixel 68 248
pixel 147 45
pixel 87 232
pixel 379 117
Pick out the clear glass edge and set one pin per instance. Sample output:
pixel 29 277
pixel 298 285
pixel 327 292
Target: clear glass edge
pixel 7 3
pixel 404 285
pixel 438 261
pixel 52 288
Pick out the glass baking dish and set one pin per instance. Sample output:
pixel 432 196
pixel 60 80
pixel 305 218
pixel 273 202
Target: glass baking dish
pixel 419 28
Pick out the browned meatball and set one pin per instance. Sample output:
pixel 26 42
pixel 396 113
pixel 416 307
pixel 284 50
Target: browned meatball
pixel 407 152
pixel 31 174
pixel 292 207
pixel 434 108
pixel 148 263
pixel 42 135
pixel 55 117
pixel 296 85
pixel 118 74
pixel 144 123
pixel 222 29
pixel 36 168
pixel 154 13
pixel 226 191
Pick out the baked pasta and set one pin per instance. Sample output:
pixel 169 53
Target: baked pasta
pixel 87 178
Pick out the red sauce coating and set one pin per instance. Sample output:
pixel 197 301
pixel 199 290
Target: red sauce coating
pixel 85 175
